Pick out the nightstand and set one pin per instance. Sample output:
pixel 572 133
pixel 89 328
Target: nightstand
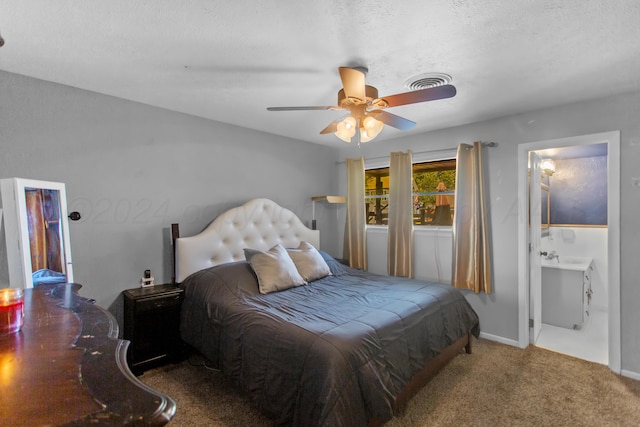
pixel 151 324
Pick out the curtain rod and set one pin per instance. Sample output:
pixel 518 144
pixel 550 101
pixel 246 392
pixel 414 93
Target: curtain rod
pixel 484 144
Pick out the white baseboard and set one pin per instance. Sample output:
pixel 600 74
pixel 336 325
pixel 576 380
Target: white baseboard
pixel 630 374
pixel 501 340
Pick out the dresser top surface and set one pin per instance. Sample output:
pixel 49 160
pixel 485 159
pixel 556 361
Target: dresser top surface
pixel 70 345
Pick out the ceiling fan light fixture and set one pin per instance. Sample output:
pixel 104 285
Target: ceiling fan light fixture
pixel 366 110
pixel 346 129
pixel 370 129
pixel 364 137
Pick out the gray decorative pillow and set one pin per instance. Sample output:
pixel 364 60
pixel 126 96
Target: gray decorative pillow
pixel 274 268
pixel 310 264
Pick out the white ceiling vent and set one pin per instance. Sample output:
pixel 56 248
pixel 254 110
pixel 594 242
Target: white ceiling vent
pixel 427 80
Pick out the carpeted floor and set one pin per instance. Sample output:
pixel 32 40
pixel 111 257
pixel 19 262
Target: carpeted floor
pixel 497 385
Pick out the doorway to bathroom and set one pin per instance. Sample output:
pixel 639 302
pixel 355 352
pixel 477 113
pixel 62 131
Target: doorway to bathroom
pixel 574 262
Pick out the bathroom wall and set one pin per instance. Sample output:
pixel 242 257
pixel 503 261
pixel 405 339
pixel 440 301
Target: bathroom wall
pixel 579 191
pixel 584 242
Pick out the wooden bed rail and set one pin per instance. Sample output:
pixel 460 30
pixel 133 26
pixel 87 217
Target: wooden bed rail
pixel 426 374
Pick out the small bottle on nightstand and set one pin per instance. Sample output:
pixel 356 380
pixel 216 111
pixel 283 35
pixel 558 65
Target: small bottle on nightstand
pixel 147 279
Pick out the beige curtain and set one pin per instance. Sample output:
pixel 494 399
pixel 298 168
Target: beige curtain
pixel 355 233
pixel 471 257
pixel 400 230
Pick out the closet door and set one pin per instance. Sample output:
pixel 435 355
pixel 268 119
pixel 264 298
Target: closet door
pixel 36 227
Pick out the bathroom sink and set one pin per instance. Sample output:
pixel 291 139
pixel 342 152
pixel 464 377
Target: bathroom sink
pixel 568 262
pixel 575 260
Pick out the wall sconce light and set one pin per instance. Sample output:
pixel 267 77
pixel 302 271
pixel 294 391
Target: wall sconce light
pixel 548 167
pixel 328 199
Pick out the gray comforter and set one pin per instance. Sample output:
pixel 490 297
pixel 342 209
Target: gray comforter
pixel 335 352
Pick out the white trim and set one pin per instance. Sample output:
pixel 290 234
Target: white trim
pixel 613 249
pixel 523 274
pixel 434 156
pixel 432 229
pixel 417 229
pixel 496 338
pixel 613 154
pixel 630 374
pixel 377 163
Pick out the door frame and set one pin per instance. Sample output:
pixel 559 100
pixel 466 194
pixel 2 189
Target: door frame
pixel 612 139
pixel 534 244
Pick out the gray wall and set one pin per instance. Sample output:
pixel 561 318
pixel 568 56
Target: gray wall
pixel 131 170
pixel 499 311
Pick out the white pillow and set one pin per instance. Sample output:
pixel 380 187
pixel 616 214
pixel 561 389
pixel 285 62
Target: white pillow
pixel 309 262
pixel 274 268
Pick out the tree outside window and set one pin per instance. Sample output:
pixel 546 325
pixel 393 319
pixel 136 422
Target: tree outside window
pixel 434 186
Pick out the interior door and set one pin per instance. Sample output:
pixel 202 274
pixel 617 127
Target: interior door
pixel 535 237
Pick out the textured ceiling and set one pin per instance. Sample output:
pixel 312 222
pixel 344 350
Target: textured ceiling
pixel 229 60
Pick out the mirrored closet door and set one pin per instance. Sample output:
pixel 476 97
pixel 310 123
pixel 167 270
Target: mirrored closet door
pixel 36 229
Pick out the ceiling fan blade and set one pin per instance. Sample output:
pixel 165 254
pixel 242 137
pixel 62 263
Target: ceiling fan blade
pixel 332 128
pixel 392 120
pixel 353 83
pixel 422 95
pixel 303 108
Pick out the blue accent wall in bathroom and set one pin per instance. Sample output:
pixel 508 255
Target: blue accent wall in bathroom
pixel 579 191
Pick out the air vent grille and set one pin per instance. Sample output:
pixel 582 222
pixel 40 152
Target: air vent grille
pixel 427 80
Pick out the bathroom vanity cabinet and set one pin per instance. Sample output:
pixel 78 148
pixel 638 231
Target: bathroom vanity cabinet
pixel 566 289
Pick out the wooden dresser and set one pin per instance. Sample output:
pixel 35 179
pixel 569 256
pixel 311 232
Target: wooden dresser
pixel 68 367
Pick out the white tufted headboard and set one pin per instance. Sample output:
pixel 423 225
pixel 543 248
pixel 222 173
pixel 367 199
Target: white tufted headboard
pixel 258 224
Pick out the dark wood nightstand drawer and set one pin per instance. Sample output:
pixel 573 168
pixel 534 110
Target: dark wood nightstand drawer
pixel 158 302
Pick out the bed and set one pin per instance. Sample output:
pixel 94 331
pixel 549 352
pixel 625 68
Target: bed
pixel 344 348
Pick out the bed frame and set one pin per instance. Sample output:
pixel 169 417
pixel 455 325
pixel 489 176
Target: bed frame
pixel 429 371
pixel 260 224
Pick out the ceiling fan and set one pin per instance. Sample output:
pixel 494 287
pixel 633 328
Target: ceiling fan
pixel 366 109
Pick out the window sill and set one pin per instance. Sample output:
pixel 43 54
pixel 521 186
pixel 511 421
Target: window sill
pixel 429 229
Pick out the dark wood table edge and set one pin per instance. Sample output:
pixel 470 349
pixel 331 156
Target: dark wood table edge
pixel 104 371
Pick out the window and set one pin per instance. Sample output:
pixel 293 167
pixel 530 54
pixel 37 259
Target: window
pixel 434 186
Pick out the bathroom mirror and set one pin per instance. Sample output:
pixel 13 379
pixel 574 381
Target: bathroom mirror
pixel 36 232
pixel 544 206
